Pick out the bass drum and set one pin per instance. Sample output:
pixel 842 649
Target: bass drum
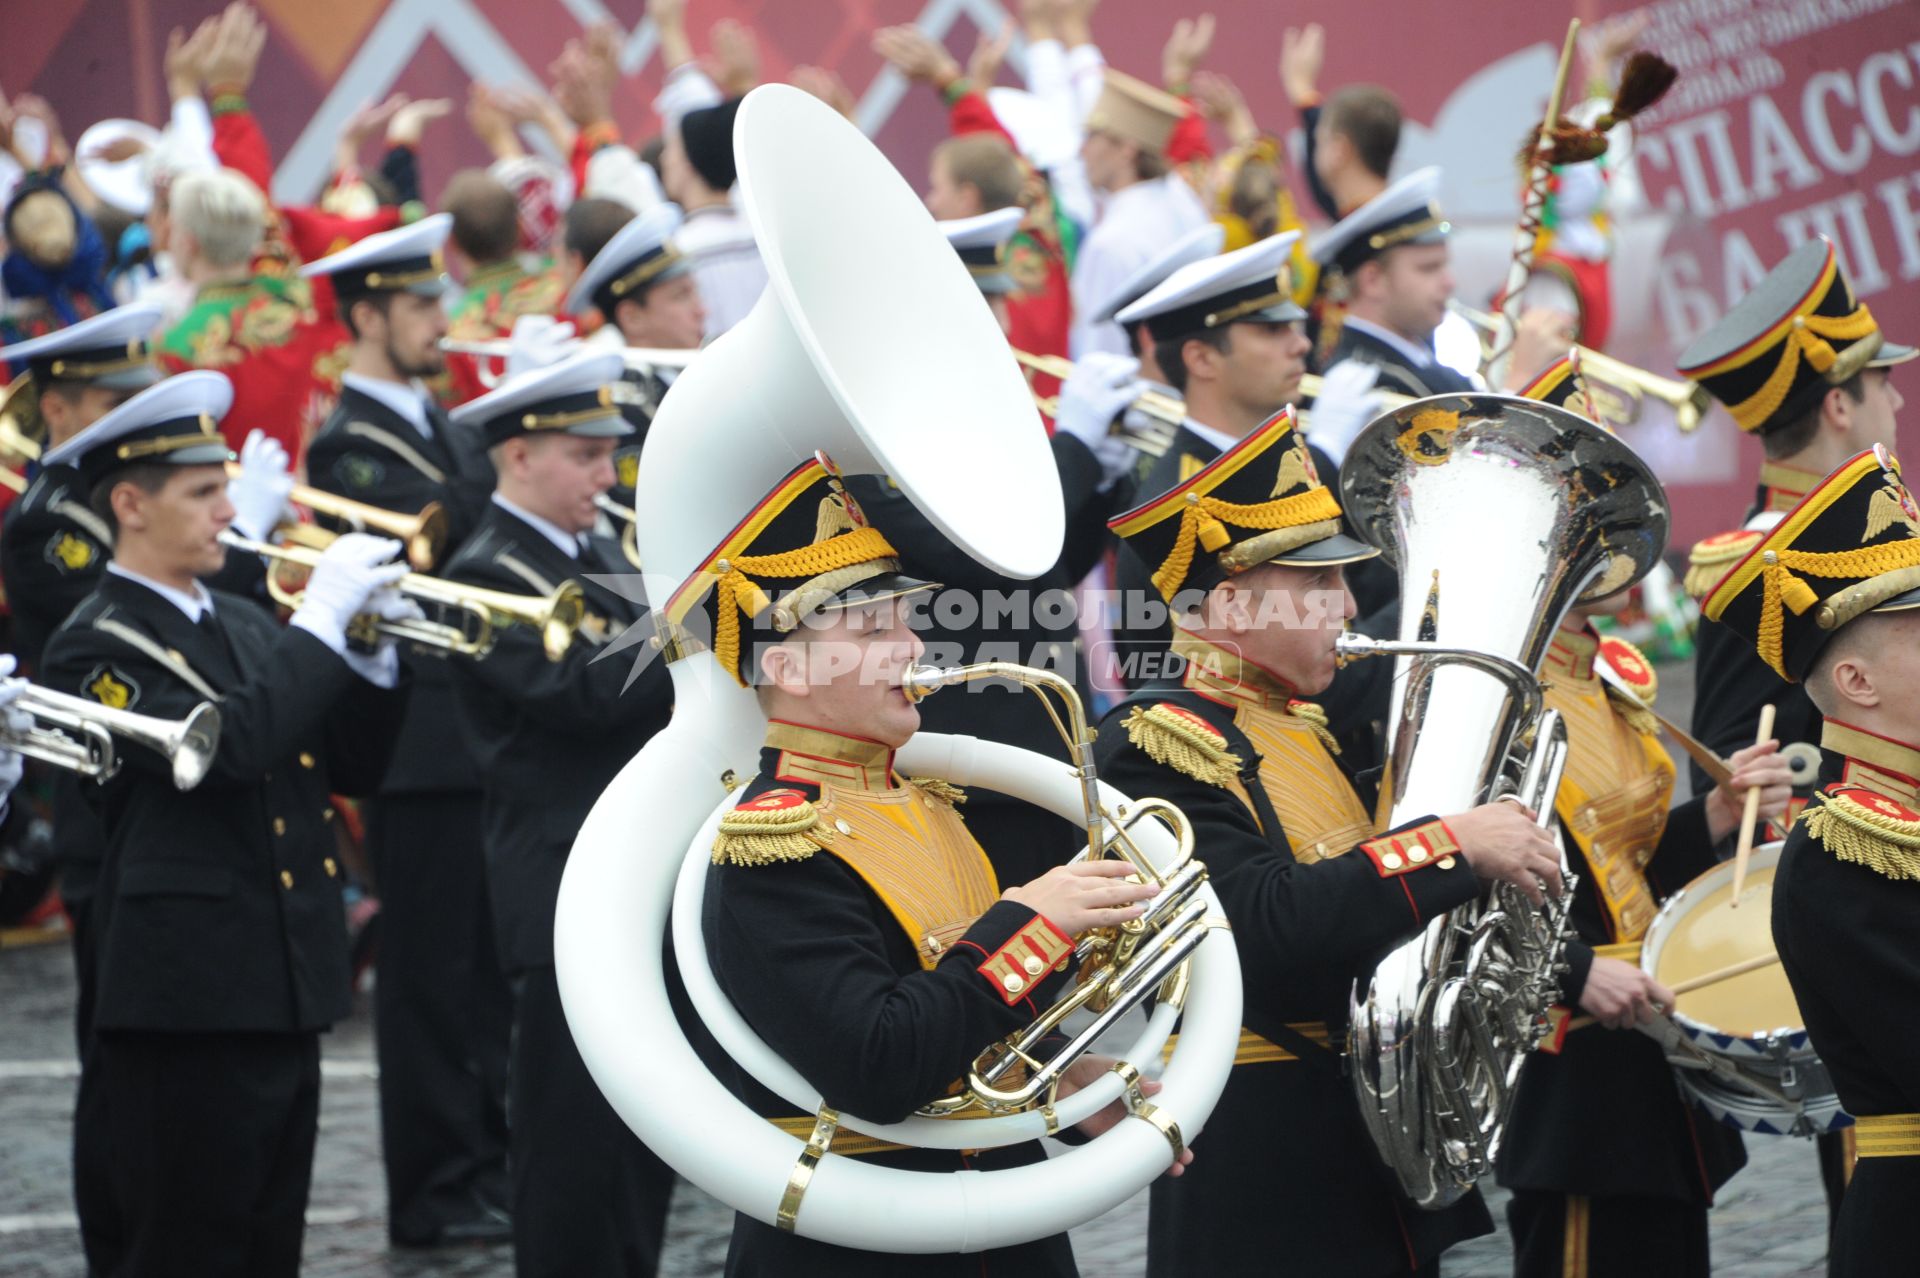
pixel 1740 1046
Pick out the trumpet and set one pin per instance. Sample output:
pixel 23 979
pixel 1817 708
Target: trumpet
pixel 78 735
pixel 642 359
pixel 629 520
pixel 1166 411
pixel 424 534
pixel 16 443
pixel 1689 400
pixel 482 612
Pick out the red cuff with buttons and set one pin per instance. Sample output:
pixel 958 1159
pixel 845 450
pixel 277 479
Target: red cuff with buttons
pixel 1412 847
pixel 1024 961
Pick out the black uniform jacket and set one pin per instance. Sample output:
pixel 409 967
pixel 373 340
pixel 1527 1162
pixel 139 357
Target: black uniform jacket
pixel 1732 683
pixel 981 615
pixel 220 907
pixel 1285 1178
pixel 827 974
pixel 548 735
pixel 1604 1116
pixel 52 552
pixel 640 394
pixel 370 453
pixel 1846 915
pixel 1397 372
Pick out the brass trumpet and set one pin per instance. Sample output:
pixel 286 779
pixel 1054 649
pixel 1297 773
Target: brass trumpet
pixel 16 443
pixel 628 519
pixel 78 735
pixel 424 535
pixel 1689 400
pixel 483 612
pixel 1167 411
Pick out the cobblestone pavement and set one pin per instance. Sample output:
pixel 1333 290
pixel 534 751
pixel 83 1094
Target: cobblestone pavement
pixel 1770 1221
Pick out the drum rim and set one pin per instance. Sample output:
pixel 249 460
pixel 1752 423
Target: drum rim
pixel 1764 855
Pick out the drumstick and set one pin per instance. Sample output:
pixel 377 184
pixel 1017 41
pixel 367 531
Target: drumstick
pixel 1748 814
pixel 1726 973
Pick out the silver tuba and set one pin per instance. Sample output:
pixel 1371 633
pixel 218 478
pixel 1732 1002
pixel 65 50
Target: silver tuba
pixel 1500 514
pixel 872 344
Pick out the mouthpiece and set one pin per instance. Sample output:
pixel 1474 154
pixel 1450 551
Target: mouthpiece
pixel 920 680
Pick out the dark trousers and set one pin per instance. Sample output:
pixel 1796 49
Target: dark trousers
pixel 80 918
pixel 1576 1236
pixel 1878 1231
pixel 194 1152
pixel 588 1196
pixel 442 1015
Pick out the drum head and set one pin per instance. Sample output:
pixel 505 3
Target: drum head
pixel 1700 930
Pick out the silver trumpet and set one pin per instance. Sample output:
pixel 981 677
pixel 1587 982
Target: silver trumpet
pixel 79 735
pixel 1120 966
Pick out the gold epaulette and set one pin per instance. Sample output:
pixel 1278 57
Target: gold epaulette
pixel 1633 695
pixel 936 788
pixel 1183 741
pixel 1315 718
pixel 1867 829
pixel 1713 558
pixel 780 825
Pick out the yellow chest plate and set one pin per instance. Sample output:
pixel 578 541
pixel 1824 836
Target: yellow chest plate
pixel 918 856
pixel 1614 799
pixel 1317 807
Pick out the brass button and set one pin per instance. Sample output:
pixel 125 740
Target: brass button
pixel 1014 982
pixel 933 944
pixel 1391 860
pixel 326 814
pixel 306 760
pixel 1416 855
pixel 1445 863
pixel 843 827
pixel 286 878
pixel 1033 965
pixel 279 825
pixel 332 870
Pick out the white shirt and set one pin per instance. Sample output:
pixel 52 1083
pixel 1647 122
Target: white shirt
pixel 565 542
pixel 1218 438
pixel 409 399
pixel 719 247
pixel 1139 222
pixel 196 604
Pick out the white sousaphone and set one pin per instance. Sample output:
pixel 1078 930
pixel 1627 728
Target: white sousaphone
pixel 871 344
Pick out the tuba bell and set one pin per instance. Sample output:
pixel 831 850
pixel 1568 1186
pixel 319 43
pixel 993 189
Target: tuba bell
pixel 828 360
pixel 1500 514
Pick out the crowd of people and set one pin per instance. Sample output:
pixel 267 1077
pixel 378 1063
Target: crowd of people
pixel 211 385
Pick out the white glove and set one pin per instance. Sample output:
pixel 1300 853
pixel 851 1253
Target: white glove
pixel 18 724
pixel 1098 390
pixel 351 571
pixel 1346 403
pixel 537 342
pixel 259 492
pixel 381 667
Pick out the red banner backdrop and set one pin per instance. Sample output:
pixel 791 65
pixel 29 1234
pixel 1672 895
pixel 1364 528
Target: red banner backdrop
pixel 1792 118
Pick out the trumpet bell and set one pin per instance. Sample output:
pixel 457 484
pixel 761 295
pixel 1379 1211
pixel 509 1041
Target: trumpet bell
pixel 193 744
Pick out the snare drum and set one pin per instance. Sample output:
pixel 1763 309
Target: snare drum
pixel 1739 1046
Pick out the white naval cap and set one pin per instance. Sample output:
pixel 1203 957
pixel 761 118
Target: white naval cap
pixel 108 350
pixel 1408 212
pixel 174 422
pixel 1197 245
pixel 1249 285
pixel 981 242
pixel 576 396
pixel 403 260
pixel 640 253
